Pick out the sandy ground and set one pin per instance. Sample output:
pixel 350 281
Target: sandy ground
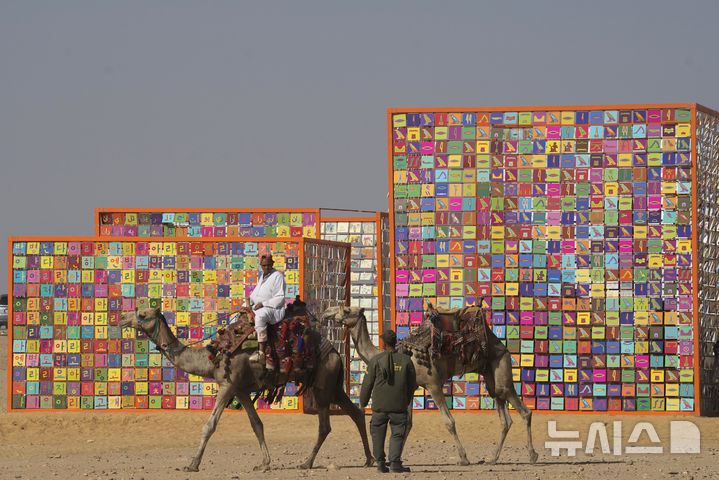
pixel 156 445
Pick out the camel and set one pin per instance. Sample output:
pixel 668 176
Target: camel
pixel 244 378
pixel 495 367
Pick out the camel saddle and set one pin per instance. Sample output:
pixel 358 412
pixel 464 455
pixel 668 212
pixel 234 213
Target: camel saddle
pixel 236 334
pixel 461 333
pixel 291 345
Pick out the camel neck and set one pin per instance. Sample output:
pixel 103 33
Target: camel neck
pixel 191 360
pixel 363 343
pixel 167 343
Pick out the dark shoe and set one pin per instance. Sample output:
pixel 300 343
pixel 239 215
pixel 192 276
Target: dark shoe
pixel 382 467
pixel 396 467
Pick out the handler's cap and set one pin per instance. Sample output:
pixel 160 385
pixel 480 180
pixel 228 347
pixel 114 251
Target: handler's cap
pixel 389 337
pixel 267 258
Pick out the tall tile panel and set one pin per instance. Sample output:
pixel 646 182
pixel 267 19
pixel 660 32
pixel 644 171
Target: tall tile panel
pixel 575 227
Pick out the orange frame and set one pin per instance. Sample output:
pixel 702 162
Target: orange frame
pixel 692 106
pixel 299 240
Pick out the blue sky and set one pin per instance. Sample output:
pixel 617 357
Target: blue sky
pixel 232 104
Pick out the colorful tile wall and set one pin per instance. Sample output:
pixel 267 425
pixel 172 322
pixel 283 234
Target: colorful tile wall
pixel 575 226
pixel 68 351
pixel 362 234
pixel 225 223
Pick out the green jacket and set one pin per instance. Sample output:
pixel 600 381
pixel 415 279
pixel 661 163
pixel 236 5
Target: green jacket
pixel 389 394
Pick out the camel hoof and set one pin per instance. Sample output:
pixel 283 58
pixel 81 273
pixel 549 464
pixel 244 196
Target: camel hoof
pixel 463 462
pixel 533 457
pixel 369 462
pixel 305 466
pixel 261 468
pixel 491 462
pixel 190 468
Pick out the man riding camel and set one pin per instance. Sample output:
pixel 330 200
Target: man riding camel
pixel 268 302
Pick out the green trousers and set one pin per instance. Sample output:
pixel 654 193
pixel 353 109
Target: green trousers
pixel 378 429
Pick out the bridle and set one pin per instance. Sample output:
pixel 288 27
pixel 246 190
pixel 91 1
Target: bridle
pixel 155 331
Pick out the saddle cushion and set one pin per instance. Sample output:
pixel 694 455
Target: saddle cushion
pixel 462 333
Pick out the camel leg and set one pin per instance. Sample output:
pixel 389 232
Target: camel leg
pixel 324 430
pixel 506 421
pixel 357 416
pixel 258 428
pixel 502 411
pixel 223 397
pixel 439 399
pixel 526 415
pixel 503 386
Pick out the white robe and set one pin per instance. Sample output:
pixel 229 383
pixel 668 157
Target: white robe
pixel 271 292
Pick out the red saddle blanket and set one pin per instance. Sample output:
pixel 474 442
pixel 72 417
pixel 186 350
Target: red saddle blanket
pixel 291 346
pixel 461 333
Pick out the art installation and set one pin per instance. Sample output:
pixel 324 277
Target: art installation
pixel 68 351
pixel 361 232
pixel 576 226
pixel 589 234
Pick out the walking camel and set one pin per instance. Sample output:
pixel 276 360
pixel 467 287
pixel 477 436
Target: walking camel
pixel 495 367
pixel 244 378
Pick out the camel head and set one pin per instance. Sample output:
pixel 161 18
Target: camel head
pixel 144 320
pixel 347 316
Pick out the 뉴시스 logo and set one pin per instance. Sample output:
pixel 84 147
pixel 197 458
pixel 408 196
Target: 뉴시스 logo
pixel 684 437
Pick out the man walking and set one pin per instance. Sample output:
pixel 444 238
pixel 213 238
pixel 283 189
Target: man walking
pixel 390 381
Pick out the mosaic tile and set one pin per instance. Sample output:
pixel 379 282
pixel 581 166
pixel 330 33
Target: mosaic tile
pixel 68 351
pixel 575 228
